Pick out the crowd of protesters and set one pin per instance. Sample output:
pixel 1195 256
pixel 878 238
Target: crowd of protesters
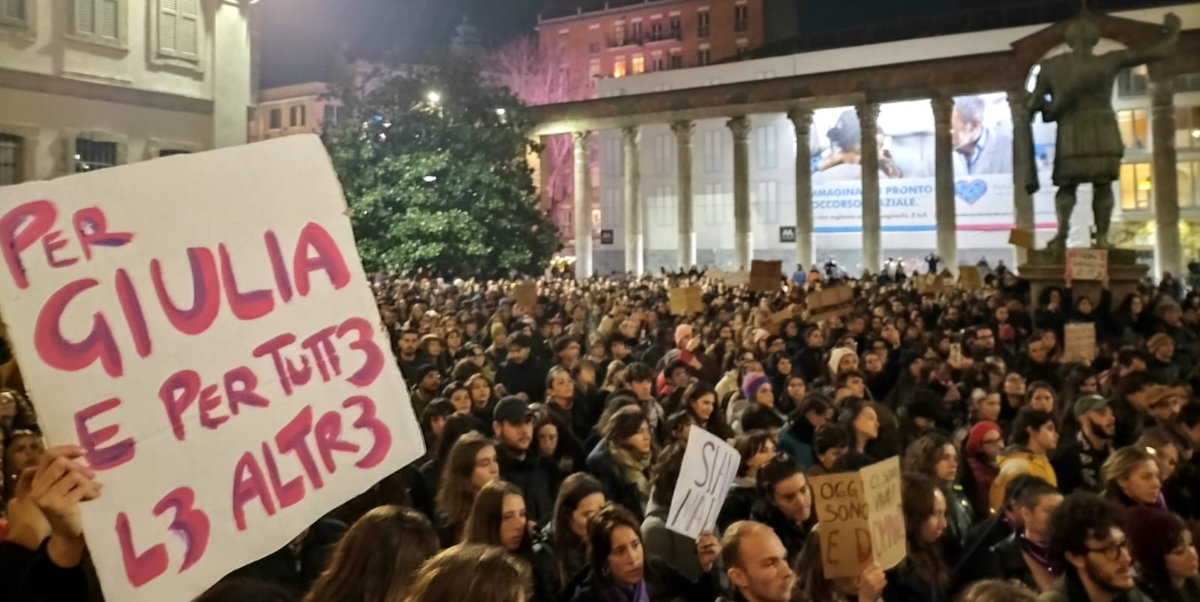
pixel 555 431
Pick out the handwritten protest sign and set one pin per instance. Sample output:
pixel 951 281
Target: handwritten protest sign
pixel 1086 264
pixel 525 293
pixel 736 278
pixel 861 519
pixel 830 303
pixel 1021 238
pixel 709 467
pixel 1079 342
pixel 774 322
pixel 202 327
pixel 765 276
pixel 969 278
pixel 930 284
pixel 684 300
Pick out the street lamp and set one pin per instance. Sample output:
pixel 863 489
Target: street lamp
pixel 433 97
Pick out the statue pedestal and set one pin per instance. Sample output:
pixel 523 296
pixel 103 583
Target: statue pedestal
pixel 1047 268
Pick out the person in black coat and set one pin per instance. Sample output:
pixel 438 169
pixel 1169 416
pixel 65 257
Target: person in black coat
pixel 522 373
pixel 756 449
pixel 620 571
pixel 923 575
pixel 621 460
pixel 784 503
pixel 535 475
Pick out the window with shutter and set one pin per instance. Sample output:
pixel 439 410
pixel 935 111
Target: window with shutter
pixel 178 28
pixel 85 16
pixel 168 20
pixel 12 151
pixel 109 10
pixel 12 11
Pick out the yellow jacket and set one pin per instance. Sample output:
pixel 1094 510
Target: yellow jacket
pixel 1016 461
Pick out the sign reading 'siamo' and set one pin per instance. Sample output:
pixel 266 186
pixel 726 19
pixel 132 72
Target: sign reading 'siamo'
pixel 201 326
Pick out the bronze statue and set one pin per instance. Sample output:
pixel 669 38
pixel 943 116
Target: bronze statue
pixel 1075 90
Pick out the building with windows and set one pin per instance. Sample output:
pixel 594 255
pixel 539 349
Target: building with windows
pixel 773 158
pixel 88 84
pixel 618 38
pixel 288 110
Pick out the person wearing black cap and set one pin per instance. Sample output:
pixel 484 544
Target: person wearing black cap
pixel 522 373
pixel 536 476
pixel 426 387
pixel 1077 463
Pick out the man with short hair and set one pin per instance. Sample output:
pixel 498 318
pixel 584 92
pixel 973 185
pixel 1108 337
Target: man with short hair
pixel 1034 436
pixel 784 503
pixel 406 355
pixel 1131 406
pixel 756 563
pixel 1087 539
pixel 1022 556
pixel 978 149
pixel 522 373
pixel 426 386
pixel 1077 464
pixel 512 424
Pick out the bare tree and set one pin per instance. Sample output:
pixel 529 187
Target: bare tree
pixel 539 76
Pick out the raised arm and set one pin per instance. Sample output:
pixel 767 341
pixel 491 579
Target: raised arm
pixel 1154 52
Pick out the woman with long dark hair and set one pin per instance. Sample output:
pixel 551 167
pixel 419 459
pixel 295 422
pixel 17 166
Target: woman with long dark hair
pixel 498 519
pixel 935 456
pixel 796 439
pixel 470 466
pixel 561 547
pixel 756 449
pixel 700 401
pixel 621 461
pixel 812 586
pixel 923 575
pixel 377 558
pixel 620 570
pixel 1164 556
pixel 473 573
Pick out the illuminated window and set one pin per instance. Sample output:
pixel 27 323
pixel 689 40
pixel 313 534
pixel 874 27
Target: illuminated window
pixel 1134 130
pixel 1187 127
pixel 1189 183
pixel 619 68
pixel 639 65
pixel 1137 187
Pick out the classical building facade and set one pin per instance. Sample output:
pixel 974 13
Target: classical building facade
pixel 773 158
pixel 619 38
pixel 289 110
pixel 88 84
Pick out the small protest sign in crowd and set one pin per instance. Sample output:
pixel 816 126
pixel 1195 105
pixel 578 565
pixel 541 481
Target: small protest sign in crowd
pixel 205 397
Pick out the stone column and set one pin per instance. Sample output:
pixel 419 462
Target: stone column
pixel 1168 253
pixel 233 78
pixel 1018 105
pixel 687 223
pixel 947 220
pixel 634 241
pixel 743 238
pixel 871 221
pixel 583 206
pixel 802 121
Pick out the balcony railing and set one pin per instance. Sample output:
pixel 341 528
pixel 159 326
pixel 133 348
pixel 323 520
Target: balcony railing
pixel 643 39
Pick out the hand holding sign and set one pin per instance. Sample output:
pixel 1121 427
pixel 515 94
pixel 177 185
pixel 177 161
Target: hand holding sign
pixel 861 519
pixel 709 467
pixel 233 324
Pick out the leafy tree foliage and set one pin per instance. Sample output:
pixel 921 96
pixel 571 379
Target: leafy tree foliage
pixel 433 163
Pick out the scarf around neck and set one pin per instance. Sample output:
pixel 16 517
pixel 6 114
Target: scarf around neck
pixel 1039 552
pixel 632 593
pixel 632 467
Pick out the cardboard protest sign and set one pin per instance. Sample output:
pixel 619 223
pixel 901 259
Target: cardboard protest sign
pixel 202 328
pixel 969 277
pixel 1021 238
pixel 830 303
pixel 775 321
pixel 1086 264
pixel 765 276
pixel 709 467
pixel 930 284
pixel 526 293
pixel 715 274
pixel 860 519
pixel 1079 342
pixel 685 300
pixel 736 278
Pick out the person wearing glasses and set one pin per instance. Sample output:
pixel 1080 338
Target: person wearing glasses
pixel 1087 541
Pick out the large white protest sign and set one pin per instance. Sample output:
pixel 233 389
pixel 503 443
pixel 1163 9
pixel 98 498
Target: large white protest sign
pixel 709 467
pixel 201 326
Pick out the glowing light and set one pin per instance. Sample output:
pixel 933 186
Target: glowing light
pixel 433 97
pixel 501 111
pixel 430 179
pixel 1195 133
pixel 1145 185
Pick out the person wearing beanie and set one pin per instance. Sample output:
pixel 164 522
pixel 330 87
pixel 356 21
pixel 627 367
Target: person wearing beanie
pixel 1162 367
pixel 842 360
pixel 756 388
pixel 426 386
pixel 1077 462
pixel 984 443
pixel 1164 557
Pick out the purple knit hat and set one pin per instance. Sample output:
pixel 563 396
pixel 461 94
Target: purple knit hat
pixel 752 383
